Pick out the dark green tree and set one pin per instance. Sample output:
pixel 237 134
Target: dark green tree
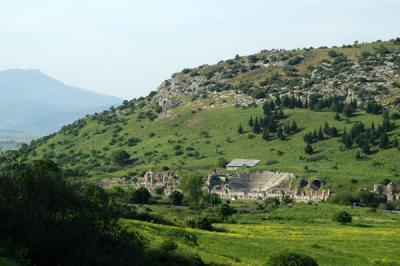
pixel 176 198
pixel 120 157
pixel 308 149
pixel 240 129
pixel 384 141
pixel 141 196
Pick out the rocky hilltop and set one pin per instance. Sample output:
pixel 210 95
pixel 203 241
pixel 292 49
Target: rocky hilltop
pixel 358 71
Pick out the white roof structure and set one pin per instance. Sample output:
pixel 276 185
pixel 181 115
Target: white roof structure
pixel 242 162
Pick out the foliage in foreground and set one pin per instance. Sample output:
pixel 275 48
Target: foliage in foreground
pixel 288 258
pixel 47 221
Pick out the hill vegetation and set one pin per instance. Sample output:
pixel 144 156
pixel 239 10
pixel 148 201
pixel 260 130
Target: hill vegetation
pixel 326 113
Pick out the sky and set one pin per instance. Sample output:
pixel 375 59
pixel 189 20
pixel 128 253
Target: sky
pixel 127 48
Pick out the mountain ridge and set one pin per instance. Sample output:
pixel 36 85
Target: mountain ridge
pixel 34 103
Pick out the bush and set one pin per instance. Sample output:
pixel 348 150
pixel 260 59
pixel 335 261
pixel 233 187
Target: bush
pixel 308 149
pixel 288 258
pixel 344 198
pixel 226 210
pixel 198 222
pixel 371 199
pixel 222 162
pixel 176 198
pixel 342 217
pixel 168 245
pixel 141 196
pixel 120 157
pixel 60 224
pixel 271 203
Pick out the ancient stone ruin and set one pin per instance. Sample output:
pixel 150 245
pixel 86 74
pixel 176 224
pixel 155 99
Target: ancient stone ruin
pixel 389 191
pixel 257 185
pixel 266 185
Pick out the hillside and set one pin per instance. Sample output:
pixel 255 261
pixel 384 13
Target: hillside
pixel 32 103
pixel 192 120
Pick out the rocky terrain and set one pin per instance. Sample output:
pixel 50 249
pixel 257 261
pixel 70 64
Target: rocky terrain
pixel 359 71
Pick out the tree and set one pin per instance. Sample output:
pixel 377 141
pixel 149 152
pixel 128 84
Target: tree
pixel 222 162
pixel 191 186
pixel 384 140
pixel 337 117
pixel 371 199
pixel 348 110
pixel 141 196
pixel 256 128
pixel 120 157
pixel 214 199
pixel 240 129
pixel 342 217
pixel 176 198
pixel 251 122
pixel 288 258
pixel 226 210
pixel 57 223
pixel 308 149
pixel 281 136
pixel 265 134
pixel 294 126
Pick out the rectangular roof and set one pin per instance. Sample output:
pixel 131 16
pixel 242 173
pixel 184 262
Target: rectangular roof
pixel 242 162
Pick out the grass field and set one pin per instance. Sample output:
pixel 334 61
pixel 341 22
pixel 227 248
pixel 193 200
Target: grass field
pixel 372 239
pixel 213 134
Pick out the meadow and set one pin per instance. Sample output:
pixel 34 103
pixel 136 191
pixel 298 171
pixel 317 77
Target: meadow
pixel 204 135
pixel 372 238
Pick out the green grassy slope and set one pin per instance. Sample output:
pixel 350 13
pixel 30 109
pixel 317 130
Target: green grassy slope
pixel 187 129
pixel 372 239
pixel 204 127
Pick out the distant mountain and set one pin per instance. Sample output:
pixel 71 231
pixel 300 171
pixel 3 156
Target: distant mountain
pixel 33 103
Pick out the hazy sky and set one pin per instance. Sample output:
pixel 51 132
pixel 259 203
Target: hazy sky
pixel 127 48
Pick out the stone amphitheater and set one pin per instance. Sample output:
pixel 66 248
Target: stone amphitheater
pixel 265 185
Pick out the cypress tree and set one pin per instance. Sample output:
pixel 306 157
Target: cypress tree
pixel 256 128
pixel 294 126
pixel 320 134
pixel 384 140
pixel 265 134
pixel 365 148
pixel 277 101
pixel 240 129
pixel 326 128
pixel 281 115
pixel 251 123
pixel 281 136
pixel 308 149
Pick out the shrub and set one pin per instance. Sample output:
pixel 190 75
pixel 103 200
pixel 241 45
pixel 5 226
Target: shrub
pixel 342 217
pixel 176 198
pixel 308 149
pixel 371 199
pixel 222 162
pixel 226 210
pixel 288 258
pixel 344 198
pixel 120 157
pixel 141 196
pixel 168 245
pixel 271 203
pixel 198 222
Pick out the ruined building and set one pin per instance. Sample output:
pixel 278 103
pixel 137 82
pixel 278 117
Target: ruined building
pixel 265 185
pixel 389 191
